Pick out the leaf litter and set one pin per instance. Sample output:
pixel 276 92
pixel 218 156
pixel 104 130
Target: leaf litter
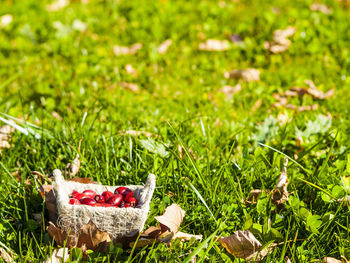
pixel 243 244
pixel 280 41
pixel 163 47
pixel 127 50
pixel 321 8
pixel 248 74
pixel 58 255
pixel 279 194
pixel 5 135
pixel 6 256
pixel 214 45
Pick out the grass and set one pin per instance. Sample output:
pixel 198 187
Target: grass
pixel 47 64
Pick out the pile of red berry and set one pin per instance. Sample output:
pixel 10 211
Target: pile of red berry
pixel 122 197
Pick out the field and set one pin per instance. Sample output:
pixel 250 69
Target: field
pixel 99 74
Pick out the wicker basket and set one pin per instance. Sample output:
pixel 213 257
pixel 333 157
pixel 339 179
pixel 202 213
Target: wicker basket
pixel 118 222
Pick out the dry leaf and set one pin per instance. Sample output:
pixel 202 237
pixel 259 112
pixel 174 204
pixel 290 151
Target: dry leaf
pixel 249 74
pixel 280 41
pixel 131 50
pixel 5 20
pixel 186 237
pixel 130 87
pixel 58 256
pixel 5 256
pixel 254 195
pixel 331 260
pixel 243 244
pixel 74 167
pixel 287 260
pixel 214 45
pixel 57 5
pixel 89 236
pixel 5 136
pixel 229 91
pixel 280 193
pixel 50 201
pixel 142 242
pixel 163 47
pixel 137 133
pixel 256 106
pixel 130 70
pixel 172 218
pixel 321 8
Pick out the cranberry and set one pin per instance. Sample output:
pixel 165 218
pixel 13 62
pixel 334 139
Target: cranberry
pixel 126 205
pixel 115 199
pixel 107 194
pixel 74 193
pixel 120 190
pixel 128 193
pixel 74 201
pixel 90 193
pixel 107 205
pixel 132 201
pixel 99 198
pixel 87 201
pixel 80 196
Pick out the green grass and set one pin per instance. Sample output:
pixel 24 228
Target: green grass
pixel 46 65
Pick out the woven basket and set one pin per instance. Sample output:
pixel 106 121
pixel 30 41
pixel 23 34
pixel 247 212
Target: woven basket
pixel 118 222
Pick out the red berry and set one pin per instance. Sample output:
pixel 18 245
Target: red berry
pixel 128 193
pixel 88 201
pixel 122 203
pixel 107 194
pixel 74 201
pixel 126 205
pixel 107 205
pixel 132 201
pixel 80 196
pixel 99 198
pixel 74 193
pixel 115 200
pixel 120 190
pixel 90 193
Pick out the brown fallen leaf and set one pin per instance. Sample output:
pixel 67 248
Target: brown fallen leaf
pixel 5 136
pixel 280 41
pixel 172 218
pixel 129 86
pixel 167 230
pixel 6 256
pixel 243 244
pixel 163 47
pixel 123 50
pixel 280 193
pixel 186 237
pixel 130 70
pixel 57 5
pixel 58 256
pixel 48 195
pixel 5 20
pixel 229 91
pixel 235 38
pixel 56 115
pixel 256 106
pixel 74 167
pixel 331 260
pixel 137 133
pixel 249 74
pixel 287 260
pixel 321 8
pixel 89 236
pixel 214 45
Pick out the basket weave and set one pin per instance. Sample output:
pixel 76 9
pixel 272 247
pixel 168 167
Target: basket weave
pixel 118 222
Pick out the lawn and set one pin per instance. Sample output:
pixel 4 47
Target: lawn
pixel 94 72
